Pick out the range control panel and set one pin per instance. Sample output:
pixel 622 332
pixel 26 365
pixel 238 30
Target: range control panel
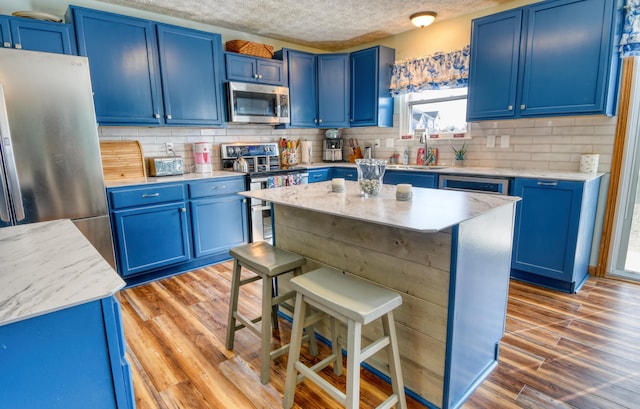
pixel 232 151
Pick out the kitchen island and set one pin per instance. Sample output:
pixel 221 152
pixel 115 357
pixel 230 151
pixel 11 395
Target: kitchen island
pixel 61 341
pixel 447 253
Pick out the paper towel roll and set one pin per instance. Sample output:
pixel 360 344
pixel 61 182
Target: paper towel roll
pixel 306 153
pixel 589 163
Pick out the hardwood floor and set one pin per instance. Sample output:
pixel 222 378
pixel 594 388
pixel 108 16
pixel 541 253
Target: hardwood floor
pixel 559 351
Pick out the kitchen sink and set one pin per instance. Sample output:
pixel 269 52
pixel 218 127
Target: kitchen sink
pixel 415 167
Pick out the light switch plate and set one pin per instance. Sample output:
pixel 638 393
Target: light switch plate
pixel 504 141
pixel 491 141
pixel 389 142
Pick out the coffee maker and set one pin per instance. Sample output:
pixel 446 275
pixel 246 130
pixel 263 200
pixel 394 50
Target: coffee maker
pixel 332 151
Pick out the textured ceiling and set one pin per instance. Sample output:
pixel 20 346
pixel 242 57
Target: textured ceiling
pixel 324 24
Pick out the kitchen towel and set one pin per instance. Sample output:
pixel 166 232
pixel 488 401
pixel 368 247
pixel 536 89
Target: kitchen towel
pixel 306 153
pixel 589 163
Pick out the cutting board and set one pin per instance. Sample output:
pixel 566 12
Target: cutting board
pixel 122 161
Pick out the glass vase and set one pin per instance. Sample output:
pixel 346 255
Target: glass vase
pixel 370 173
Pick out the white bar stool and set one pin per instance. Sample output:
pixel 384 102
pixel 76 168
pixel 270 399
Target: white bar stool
pixel 355 302
pixel 267 262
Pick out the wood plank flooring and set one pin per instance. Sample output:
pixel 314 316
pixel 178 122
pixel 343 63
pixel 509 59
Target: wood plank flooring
pixel 559 351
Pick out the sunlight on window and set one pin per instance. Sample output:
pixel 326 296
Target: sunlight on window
pixel 436 111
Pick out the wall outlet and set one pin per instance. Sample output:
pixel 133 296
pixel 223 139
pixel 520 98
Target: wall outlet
pixel 169 147
pixel 389 143
pixel 491 141
pixel 504 141
pixel 376 142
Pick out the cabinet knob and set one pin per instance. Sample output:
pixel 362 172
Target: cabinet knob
pixel 18 46
pixel 183 210
pixel 7 44
pixel 169 116
pixel 320 121
pixel 255 76
pixel 315 121
pixel 156 116
pixel 510 107
pixel 522 107
pixel 260 76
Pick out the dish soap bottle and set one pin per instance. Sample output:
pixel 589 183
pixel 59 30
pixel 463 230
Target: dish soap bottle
pixel 405 157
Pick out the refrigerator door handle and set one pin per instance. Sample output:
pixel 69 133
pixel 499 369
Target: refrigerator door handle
pixel 13 183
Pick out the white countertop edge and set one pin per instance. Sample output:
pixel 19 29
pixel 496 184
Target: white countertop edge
pixel 179 178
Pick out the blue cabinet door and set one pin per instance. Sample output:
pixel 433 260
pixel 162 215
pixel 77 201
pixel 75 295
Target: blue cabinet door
pixel 42 36
pixel 567 76
pixel 493 65
pixel 319 175
pixel 151 237
pixel 75 356
pixel 333 90
pixel 303 92
pixel 270 71
pixel 345 173
pixel 123 64
pixel 417 179
pixel 371 101
pixel 546 229
pixel 241 67
pixel 191 81
pixel 5 32
pixel 218 224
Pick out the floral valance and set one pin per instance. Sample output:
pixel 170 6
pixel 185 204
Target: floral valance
pixel 437 71
pixel 630 41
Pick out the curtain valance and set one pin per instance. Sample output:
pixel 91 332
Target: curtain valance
pixel 630 41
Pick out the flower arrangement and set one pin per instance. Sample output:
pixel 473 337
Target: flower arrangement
pixel 460 153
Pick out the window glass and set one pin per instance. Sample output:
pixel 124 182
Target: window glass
pixel 434 111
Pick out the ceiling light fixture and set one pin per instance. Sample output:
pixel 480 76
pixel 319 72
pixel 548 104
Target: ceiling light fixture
pixel 423 18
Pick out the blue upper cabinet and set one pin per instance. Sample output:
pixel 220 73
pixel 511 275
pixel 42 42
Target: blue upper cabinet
pixel 253 69
pixel 189 68
pixel 34 35
pixel 371 101
pixel 548 59
pixel 142 76
pixel 318 89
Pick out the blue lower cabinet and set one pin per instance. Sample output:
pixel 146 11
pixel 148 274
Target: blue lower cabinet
pixel 346 173
pixel 553 232
pixel 319 175
pixel 417 179
pixel 68 359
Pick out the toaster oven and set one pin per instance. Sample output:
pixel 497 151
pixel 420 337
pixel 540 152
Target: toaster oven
pixel 165 166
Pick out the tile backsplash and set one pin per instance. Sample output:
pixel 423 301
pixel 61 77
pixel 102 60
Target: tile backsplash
pixel 547 143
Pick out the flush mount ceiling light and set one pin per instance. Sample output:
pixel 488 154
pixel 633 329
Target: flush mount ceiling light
pixel 423 18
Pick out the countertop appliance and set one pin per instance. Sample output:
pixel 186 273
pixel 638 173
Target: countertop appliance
pixel 50 164
pixel 263 172
pixel 481 184
pixel 257 103
pixel 332 151
pixel 166 166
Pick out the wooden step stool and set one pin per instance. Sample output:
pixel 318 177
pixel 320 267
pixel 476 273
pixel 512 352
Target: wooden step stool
pixel 267 262
pixel 355 302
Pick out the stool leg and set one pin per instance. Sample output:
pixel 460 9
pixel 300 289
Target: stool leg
pixel 294 352
pixel 233 303
pixel 393 356
pixel 274 308
pixel 265 333
pixel 336 349
pixel 353 364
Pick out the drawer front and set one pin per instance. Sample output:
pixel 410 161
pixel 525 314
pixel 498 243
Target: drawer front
pixel 148 195
pixel 216 187
pixel 318 175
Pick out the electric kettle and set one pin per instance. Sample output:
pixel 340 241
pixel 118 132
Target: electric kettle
pixel 240 165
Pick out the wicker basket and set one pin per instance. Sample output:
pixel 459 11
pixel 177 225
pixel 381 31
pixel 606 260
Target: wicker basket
pixel 250 48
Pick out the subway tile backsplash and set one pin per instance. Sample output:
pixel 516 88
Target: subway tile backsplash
pixel 545 143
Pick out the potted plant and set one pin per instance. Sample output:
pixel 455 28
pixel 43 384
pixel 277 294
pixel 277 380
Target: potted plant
pixel 460 154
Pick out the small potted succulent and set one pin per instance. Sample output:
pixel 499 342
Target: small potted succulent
pixel 460 155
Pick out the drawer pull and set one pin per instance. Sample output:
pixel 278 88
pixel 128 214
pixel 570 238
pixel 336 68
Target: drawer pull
pixel 146 195
pixel 218 187
pixel 547 183
pixel 317 176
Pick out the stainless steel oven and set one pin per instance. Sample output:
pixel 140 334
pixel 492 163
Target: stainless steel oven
pixel 264 172
pixel 481 184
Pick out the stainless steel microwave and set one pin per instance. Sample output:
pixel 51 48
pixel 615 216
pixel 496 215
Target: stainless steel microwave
pixel 257 104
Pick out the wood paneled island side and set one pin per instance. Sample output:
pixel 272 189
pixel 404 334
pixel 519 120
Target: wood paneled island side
pixel 447 253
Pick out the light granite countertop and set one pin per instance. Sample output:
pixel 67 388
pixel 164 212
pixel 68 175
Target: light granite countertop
pixel 430 210
pixel 47 267
pixel 479 171
pixel 187 177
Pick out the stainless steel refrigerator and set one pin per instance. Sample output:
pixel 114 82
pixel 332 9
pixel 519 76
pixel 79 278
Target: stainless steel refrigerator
pixel 50 164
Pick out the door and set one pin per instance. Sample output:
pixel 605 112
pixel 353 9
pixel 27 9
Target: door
pixel 218 224
pixel 333 90
pixel 43 36
pixel 303 93
pixel 191 85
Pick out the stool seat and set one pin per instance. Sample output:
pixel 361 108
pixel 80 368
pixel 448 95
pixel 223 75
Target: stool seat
pixel 356 302
pixel 346 295
pixel 263 258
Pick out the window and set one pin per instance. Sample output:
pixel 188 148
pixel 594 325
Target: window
pixel 440 111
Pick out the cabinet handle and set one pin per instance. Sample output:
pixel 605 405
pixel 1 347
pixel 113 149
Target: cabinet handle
pixel 349 175
pixel 255 76
pixel 547 183
pixel 260 76
pixel 316 176
pixel 183 210
pixel 18 46
pixel 156 116
pixel 510 107
pixel 7 44
pixel 523 107
pixel 315 120
pixel 146 195
pixel 320 120
pixel 169 116
pixel 218 187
